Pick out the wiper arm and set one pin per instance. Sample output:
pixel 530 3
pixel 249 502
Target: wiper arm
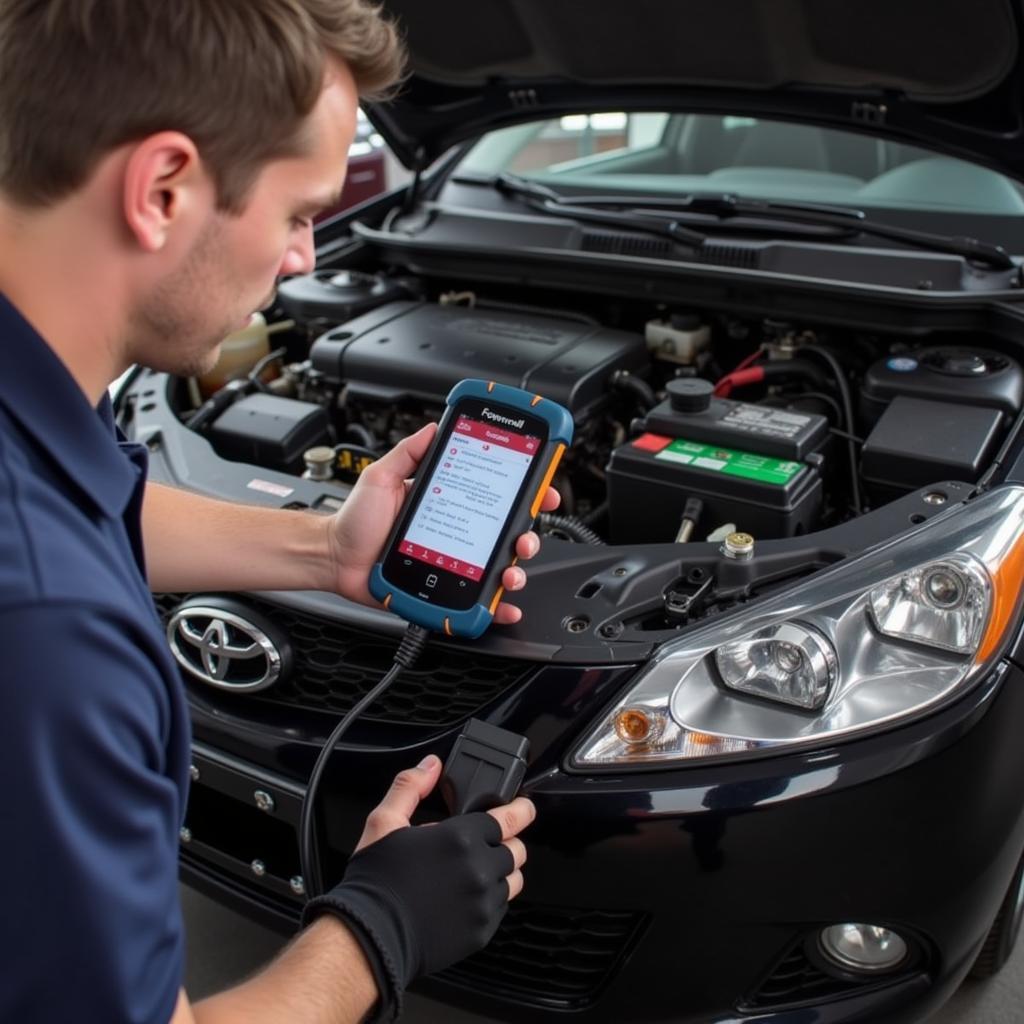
pixel 546 200
pixel 808 213
pixel 726 205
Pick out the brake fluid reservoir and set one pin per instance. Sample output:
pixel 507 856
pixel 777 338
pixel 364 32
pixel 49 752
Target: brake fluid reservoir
pixel 679 339
pixel 239 353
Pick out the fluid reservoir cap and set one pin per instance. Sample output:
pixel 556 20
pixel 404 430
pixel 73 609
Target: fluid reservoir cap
pixel 958 362
pixel 738 545
pixel 967 365
pixel 319 462
pixel 346 279
pixel 690 394
pixel 685 321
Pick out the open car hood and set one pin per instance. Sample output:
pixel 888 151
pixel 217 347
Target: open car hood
pixel 940 73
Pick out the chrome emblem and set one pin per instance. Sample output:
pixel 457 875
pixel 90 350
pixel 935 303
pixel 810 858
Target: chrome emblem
pixel 223 649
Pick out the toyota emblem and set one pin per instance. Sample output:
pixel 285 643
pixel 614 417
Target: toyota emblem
pixel 223 648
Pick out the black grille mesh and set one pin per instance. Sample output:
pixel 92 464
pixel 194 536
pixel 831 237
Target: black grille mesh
pixel 797 980
pixel 335 665
pixel 553 956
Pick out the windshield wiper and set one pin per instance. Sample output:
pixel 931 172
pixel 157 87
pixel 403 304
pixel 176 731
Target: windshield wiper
pixel 643 213
pixel 546 200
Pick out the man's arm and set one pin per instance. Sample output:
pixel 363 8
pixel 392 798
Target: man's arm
pixel 322 977
pixel 197 543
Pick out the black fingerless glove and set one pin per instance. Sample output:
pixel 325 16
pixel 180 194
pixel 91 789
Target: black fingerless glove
pixel 420 899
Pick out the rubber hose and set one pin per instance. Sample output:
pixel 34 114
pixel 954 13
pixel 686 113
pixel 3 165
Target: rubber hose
pixel 640 389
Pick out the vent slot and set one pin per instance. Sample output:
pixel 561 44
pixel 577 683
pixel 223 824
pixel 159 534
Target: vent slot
pixel 550 956
pixel 796 981
pixel 626 245
pixel 730 256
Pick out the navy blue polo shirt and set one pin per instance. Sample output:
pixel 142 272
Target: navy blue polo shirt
pixel 94 733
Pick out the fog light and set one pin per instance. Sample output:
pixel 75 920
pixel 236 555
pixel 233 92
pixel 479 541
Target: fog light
pixel 866 948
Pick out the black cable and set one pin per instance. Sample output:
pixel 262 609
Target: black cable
pixel 217 403
pixel 409 650
pixel 623 380
pixel 254 373
pixel 361 435
pixel 847 436
pixel 572 527
pixel 828 400
pixel 790 402
pixel 594 516
pixel 356 449
pixel 844 395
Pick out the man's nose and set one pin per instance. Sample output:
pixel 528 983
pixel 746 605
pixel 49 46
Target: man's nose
pixel 300 257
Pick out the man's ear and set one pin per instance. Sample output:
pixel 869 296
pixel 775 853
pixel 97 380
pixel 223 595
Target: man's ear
pixel 163 179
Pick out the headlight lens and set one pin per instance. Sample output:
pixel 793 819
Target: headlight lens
pixel 943 605
pixel 788 663
pixel 874 640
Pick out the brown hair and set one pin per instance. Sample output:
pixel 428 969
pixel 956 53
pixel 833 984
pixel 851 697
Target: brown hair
pixel 80 77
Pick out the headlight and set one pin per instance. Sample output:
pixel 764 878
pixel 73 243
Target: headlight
pixel 873 641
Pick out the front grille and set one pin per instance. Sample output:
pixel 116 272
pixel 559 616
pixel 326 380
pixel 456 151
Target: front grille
pixel 335 665
pixel 550 956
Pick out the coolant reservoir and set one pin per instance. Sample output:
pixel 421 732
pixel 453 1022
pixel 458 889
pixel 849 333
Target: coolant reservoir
pixel 239 353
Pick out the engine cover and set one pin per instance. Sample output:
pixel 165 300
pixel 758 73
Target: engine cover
pixel 419 350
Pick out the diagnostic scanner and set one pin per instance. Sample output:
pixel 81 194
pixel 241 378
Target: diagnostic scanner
pixel 479 487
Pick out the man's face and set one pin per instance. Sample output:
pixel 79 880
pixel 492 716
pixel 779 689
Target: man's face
pixel 232 267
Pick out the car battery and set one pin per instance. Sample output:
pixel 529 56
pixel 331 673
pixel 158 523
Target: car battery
pixel 692 411
pixel 651 478
pixel 749 464
pixel 918 442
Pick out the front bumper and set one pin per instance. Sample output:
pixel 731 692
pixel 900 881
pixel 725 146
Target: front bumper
pixel 682 895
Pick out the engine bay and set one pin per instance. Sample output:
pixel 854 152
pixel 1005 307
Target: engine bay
pixel 699 434
pixel 689 425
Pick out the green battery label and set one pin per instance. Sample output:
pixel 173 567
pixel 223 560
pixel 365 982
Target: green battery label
pixel 731 462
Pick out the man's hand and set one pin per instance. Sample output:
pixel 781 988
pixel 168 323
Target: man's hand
pixel 419 898
pixel 358 531
pixel 411 786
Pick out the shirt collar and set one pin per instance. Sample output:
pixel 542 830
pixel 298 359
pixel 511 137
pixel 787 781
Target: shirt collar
pixel 39 392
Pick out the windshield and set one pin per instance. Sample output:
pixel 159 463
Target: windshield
pixel 666 154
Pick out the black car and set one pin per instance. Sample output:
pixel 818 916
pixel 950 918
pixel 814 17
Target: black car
pixel 770 664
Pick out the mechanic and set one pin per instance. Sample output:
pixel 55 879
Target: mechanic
pixel 160 166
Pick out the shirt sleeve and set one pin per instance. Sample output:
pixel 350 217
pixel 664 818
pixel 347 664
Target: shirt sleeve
pixel 91 924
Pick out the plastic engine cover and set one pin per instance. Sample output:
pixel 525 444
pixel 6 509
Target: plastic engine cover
pixel 420 350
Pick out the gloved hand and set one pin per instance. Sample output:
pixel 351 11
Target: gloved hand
pixel 421 898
